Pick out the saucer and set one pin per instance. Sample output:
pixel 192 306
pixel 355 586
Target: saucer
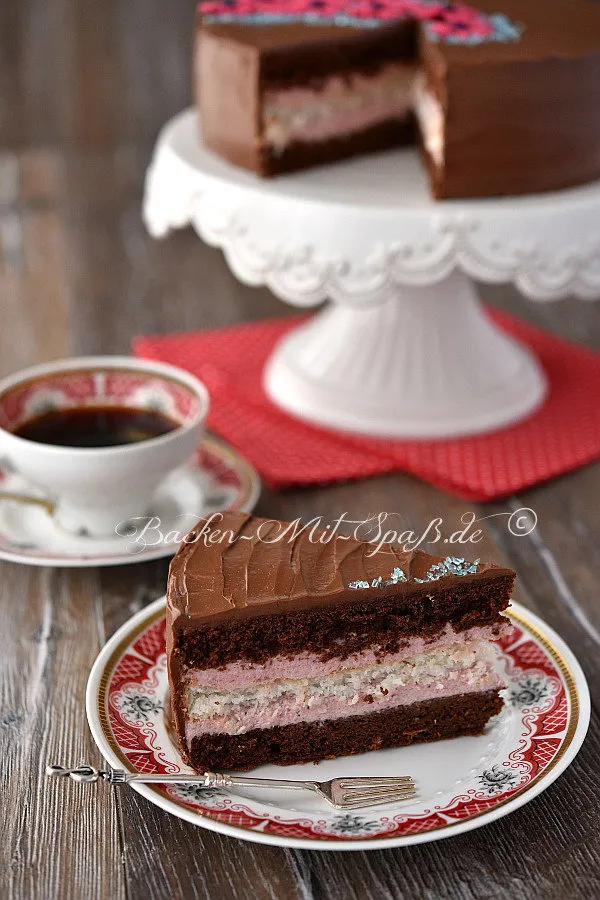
pixel 462 783
pixel 219 478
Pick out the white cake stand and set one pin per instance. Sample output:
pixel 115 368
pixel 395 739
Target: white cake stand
pixel 404 348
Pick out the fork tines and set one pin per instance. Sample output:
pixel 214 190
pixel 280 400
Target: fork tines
pixel 362 792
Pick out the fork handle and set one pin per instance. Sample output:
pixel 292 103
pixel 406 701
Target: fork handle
pixel 88 774
pixel 242 781
pixel 209 780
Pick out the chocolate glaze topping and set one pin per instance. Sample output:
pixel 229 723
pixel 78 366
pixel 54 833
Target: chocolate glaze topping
pixel 238 566
pixel 550 29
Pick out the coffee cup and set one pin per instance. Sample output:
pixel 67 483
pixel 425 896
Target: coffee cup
pixel 95 488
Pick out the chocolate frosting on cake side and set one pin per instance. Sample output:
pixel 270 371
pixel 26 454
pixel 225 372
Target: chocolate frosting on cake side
pixel 238 566
pixel 520 117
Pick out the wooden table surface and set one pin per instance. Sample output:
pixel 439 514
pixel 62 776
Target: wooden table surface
pixel 84 88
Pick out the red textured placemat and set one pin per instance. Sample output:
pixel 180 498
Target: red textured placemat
pixel 562 435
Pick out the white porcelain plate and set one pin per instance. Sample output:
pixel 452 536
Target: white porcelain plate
pixel 219 478
pixel 462 783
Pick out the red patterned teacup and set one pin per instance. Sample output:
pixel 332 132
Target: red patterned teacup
pixel 97 488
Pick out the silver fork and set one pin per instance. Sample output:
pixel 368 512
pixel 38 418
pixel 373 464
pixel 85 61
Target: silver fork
pixel 342 793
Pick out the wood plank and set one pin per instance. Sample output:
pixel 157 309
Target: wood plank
pixel 57 840
pixel 33 283
pixel 145 286
pixel 155 58
pixel 574 319
pixel 11 122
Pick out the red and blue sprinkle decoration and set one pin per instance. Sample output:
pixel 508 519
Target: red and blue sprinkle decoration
pixel 452 23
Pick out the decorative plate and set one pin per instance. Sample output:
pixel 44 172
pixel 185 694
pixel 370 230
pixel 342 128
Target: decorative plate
pixel 463 783
pixel 219 478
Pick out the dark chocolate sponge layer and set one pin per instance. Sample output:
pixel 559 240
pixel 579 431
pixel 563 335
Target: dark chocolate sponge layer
pixel 434 720
pixel 339 631
pixel 291 56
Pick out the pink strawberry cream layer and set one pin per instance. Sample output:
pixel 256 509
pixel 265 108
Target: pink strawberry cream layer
pixel 441 672
pixel 239 675
pixel 341 105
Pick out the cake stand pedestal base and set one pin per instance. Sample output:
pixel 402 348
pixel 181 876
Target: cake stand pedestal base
pixel 426 363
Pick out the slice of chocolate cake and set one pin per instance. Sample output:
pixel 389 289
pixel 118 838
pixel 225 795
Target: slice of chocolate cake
pixel 503 95
pixel 286 644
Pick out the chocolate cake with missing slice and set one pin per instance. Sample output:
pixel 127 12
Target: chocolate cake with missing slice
pixel 502 95
pixel 287 644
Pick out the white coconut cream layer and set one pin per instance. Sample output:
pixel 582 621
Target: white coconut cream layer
pixel 443 672
pixel 243 674
pixel 342 105
pixel 430 117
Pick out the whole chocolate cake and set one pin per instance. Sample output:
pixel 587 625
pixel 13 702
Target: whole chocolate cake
pixel 287 644
pixel 502 95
